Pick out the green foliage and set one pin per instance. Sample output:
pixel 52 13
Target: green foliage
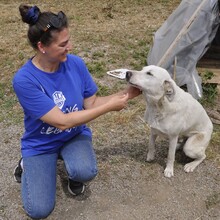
pixel 98 54
pixel 208 75
pixel 97 69
pixel 210 91
pixel 103 90
pixel 8 103
pixel 140 57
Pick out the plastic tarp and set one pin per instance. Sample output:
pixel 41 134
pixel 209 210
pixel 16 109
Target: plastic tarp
pixel 185 37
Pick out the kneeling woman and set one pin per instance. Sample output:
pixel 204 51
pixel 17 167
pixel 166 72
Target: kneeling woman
pixel 58 97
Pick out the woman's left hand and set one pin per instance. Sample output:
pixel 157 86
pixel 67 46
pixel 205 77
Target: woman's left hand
pixel 132 92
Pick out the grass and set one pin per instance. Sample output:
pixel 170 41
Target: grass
pixel 111 34
pixel 212 200
pixel 210 91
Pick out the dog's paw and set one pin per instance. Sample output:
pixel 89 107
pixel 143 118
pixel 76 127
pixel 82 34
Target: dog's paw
pixel 150 157
pixel 189 167
pixel 168 172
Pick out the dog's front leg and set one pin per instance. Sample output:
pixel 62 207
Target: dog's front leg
pixel 151 147
pixel 168 172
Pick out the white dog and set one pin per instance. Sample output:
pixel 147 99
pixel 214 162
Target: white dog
pixel 174 113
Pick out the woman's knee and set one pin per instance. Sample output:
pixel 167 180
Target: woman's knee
pixel 89 174
pixel 83 174
pixel 38 188
pixel 39 211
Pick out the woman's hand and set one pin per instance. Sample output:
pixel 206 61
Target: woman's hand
pixel 117 102
pixel 132 92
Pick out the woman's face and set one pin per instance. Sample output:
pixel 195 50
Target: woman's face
pixel 60 46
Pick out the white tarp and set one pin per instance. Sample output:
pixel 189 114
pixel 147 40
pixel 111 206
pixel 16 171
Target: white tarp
pixel 185 36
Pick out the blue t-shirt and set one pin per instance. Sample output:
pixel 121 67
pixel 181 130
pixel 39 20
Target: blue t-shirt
pixel 38 92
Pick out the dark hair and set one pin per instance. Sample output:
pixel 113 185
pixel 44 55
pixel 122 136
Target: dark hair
pixel 42 24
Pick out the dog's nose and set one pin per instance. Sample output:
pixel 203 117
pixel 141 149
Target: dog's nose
pixel 128 75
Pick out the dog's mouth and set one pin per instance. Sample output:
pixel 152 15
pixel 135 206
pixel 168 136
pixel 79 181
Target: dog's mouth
pixel 128 79
pixel 136 86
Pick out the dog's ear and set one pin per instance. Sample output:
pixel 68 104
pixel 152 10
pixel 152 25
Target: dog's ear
pixel 169 91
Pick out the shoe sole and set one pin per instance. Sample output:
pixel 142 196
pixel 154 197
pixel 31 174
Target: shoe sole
pixel 74 194
pixel 15 179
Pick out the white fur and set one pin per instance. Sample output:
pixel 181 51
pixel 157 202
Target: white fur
pixel 173 113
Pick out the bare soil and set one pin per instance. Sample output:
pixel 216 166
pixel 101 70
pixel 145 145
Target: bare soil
pixel 127 187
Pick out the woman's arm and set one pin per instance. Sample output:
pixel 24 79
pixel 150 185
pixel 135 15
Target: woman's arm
pixel 95 101
pixel 57 118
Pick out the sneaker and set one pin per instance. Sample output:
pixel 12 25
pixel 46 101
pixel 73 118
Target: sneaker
pixel 18 172
pixel 75 188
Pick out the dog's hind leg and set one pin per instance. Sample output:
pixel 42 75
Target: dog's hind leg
pixel 195 148
pixel 151 147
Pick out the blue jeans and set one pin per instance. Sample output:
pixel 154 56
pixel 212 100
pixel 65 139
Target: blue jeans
pixel 39 174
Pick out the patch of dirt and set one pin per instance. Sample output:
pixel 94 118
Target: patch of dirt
pixel 127 187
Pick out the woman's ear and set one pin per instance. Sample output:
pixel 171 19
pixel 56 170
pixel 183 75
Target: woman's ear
pixel 40 47
pixel 169 91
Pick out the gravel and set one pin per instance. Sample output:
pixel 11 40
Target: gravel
pixel 126 188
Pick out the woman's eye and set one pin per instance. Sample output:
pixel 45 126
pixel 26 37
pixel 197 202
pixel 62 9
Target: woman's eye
pixel 64 44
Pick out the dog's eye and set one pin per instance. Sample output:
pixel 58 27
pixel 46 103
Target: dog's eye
pixel 149 73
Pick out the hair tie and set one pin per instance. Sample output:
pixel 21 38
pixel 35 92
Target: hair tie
pixel 33 14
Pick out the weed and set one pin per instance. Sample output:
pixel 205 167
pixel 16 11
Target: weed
pixel 212 200
pixel 97 69
pixel 98 54
pixel 103 90
pixel 210 91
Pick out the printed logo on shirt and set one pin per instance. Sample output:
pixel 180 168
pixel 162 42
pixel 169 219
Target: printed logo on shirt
pixel 59 99
pixel 47 129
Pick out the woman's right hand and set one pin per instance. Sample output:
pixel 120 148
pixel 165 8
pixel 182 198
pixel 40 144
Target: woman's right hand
pixel 118 102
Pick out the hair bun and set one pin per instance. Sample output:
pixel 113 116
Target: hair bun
pixel 29 14
pixel 32 15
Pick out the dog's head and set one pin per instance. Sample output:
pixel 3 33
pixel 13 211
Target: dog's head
pixel 154 81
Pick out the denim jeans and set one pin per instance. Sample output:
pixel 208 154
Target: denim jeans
pixel 39 174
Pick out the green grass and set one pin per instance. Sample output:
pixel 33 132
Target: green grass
pixel 109 36
pixel 97 69
pixel 10 112
pixel 210 91
pixel 210 94
pixel 103 90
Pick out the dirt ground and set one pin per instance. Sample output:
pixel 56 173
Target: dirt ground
pixel 126 188
pixel 117 34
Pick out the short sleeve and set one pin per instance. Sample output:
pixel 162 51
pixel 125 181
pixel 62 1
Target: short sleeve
pixel 90 87
pixel 33 99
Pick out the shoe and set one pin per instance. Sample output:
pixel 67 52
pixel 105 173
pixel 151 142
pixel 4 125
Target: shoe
pixel 75 188
pixel 18 172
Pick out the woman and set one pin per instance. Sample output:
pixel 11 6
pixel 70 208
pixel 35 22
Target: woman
pixel 58 97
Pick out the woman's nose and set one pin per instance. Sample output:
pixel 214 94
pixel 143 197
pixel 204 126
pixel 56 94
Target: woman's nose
pixel 69 47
